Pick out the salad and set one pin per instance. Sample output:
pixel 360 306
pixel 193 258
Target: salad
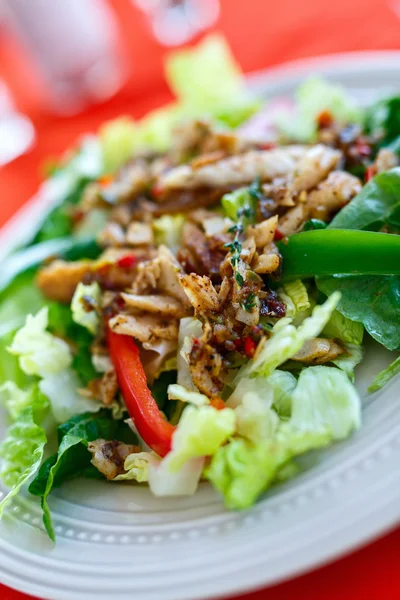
pixel 194 305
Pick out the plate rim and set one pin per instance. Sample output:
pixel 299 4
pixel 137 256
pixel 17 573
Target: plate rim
pixel 386 519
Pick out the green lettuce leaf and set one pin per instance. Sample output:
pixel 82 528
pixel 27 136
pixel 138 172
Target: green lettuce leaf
pixel 118 141
pixel 73 459
pixel 168 231
pixel 312 98
pixel 200 432
pixel 62 324
pixel 286 340
pixel 325 408
pixel 342 328
pixel 208 80
pixel 385 376
pixel 21 453
pixel 372 301
pixel 40 353
pixel 373 205
pixel 383 119
pixel 348 362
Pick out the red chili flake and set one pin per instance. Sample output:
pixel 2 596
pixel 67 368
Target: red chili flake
pixel 157 191
pixel 324 119
pixel 278 235
pixel 267 146
pixel 77 215
pixel 249 347
pixel 362 148
pixel 217 403
pixel 238 344
pixel 369 173
pixel 120 302
pixel 105 180
pixel 127 261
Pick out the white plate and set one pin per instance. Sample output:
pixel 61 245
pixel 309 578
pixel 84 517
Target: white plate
pixel 119 542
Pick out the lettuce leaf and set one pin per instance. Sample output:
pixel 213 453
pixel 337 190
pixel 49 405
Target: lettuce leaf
pixel 40 353
pixel 312 98
pixel 373 205
pixel 168 231
pixel 385 376
pixel 73 459
pixel 62 391
pixel 370 300
pixel 208 80
pixel 342 328
pixel 21 453
pixel 286 340
pixel 325 408
pixel 118 139
pixel 348 362
pixel 200 432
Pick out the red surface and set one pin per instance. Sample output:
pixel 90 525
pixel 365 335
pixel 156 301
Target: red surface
pixel 261 33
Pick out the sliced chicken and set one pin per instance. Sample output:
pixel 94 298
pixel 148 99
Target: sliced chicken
pixel 109 456
pixel 263 232
pixel 105 388
pixel 333 193
pixel 294 218
pixel 58 280
pixel 161 305
pixel 314 166
pixel 385 160
pixel 236 170
pixel 318 351
pixel 145 327
pixel 200 291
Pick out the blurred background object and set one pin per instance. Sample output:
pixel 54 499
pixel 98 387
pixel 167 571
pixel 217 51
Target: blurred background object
pixel 104 58
pixel 17 133
pixel 74 45
pixel 176 22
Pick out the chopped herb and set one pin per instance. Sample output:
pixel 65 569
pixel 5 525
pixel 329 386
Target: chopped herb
pixel 249 303
pixel 239 279
pixel 255 190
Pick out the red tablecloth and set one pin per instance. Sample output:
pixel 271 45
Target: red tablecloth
pixel 261 33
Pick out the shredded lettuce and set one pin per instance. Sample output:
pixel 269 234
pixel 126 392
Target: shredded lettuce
pixel 344 329
pixel 283 384
pixel 255 419
pixel 39 352
pixel 286 340
pixel 21 453
pixel 137 467
pixel 165 482
pixel 118 139
pixel 168 230
pixel 16 399
pixel 239 200
pixel 84 296
pixel 385 376
pixel 208 80
pixel 325 408
pixel 178 392
pixel 348 361
pixel 62 391
pixel 200 432
pixel 297 292
pixel 312 98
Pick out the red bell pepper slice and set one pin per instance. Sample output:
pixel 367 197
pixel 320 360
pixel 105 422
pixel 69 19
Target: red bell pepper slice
pixel 143 409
